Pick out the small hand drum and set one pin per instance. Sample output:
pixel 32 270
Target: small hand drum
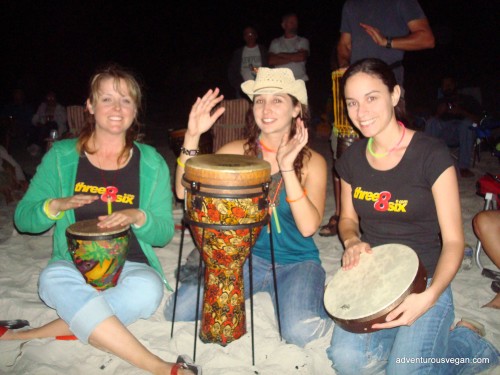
pixel 98 253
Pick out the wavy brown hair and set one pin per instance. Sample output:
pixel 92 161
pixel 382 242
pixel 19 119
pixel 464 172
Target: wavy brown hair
pixel 117 74
pixel 252 147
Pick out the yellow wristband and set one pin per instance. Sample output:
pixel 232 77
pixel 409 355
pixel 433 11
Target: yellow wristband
pixel 180 163
pixel 57 216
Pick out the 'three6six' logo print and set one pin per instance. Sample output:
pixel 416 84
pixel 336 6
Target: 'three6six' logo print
pixel 382 200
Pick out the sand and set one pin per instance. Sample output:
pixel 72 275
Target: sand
pixel 24 256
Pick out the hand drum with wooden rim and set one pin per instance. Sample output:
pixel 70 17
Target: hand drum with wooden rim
pixel 226 208
pixel 98 253
pixel 364 295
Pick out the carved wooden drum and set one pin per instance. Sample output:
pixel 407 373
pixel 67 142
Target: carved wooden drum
pixel 226 208
pixel 364 295
pixel 98 253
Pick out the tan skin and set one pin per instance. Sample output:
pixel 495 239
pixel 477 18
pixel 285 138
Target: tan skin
pixel 487 228
pixel 420 37
pixel 273 114
pixel 114 112
pixel 371 108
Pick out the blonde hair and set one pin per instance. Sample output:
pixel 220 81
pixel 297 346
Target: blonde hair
pixel 117 74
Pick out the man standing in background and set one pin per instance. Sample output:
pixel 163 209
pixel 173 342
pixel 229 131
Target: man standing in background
pixel 246 61
pixel 290 50
pixel 383 29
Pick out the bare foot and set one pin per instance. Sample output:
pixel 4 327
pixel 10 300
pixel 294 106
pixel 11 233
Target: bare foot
pixel 494 303
pixel 476 327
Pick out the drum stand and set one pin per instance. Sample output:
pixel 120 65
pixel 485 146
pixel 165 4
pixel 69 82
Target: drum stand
pixel 198 293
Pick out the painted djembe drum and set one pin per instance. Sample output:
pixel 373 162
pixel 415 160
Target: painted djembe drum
pixel 364 295
pixel 226 208
pixel 345 133
pixel 98 253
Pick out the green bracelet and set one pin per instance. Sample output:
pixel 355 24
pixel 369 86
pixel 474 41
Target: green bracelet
pixel 57 216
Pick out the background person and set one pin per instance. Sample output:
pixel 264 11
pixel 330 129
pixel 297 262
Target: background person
pixel 246 60
pixel 487 228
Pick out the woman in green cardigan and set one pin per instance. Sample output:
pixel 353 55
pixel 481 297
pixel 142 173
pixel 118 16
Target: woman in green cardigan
pixel 76 181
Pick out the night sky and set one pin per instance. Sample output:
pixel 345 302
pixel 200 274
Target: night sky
pixel 181 48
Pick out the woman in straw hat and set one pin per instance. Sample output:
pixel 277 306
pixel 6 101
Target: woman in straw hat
pixel 71 184
pixel 278 134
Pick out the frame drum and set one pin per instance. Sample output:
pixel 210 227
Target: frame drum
pixel 98 253
pixel 364 295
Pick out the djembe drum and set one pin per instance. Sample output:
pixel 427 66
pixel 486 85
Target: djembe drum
pixel 343 131
pixel 364 295
pixel 226 208
pixel 98 253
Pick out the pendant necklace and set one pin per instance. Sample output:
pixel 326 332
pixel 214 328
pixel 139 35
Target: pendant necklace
pixel 272 207
pixel 111 192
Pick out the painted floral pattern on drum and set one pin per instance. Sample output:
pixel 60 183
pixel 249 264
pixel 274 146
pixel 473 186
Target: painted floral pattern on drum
pixel 100 262
pixel 224 251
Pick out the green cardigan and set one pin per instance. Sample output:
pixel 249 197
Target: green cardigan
pixel 55 177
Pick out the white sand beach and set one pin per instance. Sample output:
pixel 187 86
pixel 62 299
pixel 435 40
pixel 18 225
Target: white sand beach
pixel 24 256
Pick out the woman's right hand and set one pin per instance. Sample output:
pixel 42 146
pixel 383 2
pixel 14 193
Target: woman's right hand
pixel 200 117
pixel 352 253
pixel 63 204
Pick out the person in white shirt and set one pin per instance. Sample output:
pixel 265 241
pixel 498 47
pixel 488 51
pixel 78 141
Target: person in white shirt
pixel 290 50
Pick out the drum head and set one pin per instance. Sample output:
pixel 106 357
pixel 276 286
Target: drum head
pixel 89 229
pixel 375 286
pixel 227 170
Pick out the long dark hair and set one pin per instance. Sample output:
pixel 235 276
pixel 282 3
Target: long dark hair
pixel 116 73
pixel 252 146
pixel 379 69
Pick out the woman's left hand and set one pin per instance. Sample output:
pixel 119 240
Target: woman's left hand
pixel 290 148
pixel 412 308
pixel 122 218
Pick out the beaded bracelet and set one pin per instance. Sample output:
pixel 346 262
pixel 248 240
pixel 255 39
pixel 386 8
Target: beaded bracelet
pixel 287 170
pixel 298 199
pixel 187 152
pixel 180 163
pixel 57 216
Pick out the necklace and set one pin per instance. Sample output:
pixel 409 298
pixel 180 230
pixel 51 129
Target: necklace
pixel 264 147
pixel 374 154
pixel 272 207
pixel 111 192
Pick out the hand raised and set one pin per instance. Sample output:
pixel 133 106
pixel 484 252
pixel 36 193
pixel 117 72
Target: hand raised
pixel 289 148
pixel 375 34
pixel 200 118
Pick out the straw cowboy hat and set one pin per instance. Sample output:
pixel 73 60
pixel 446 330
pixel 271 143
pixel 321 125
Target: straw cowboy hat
pixel 273 81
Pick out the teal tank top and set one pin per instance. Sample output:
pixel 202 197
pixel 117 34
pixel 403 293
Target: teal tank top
pixel 289 245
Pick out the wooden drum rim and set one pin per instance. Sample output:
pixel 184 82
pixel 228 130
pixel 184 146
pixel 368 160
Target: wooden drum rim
pixel 362 324
pixel 88 230
pixel 226 170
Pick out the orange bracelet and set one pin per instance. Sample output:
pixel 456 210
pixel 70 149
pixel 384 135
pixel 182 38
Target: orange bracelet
pixel 298 199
